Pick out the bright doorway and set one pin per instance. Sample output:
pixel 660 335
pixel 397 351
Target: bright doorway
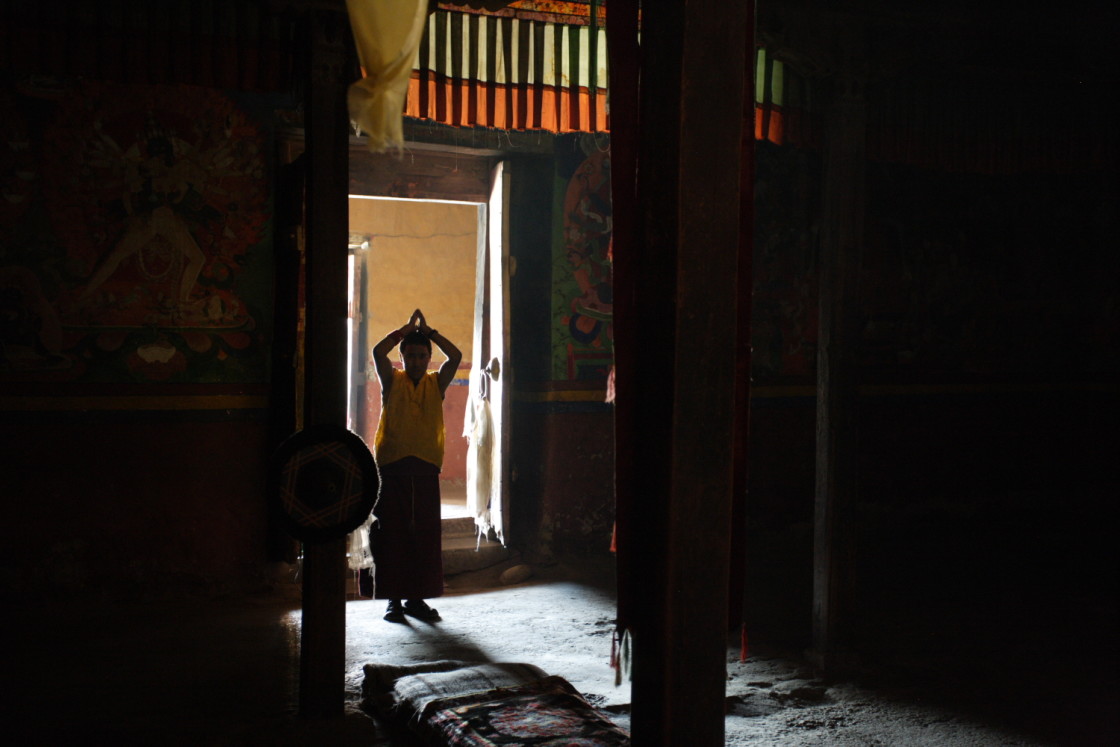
pixel 407 254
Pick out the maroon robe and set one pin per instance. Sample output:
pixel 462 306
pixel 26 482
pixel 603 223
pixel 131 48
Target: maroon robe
pixel 406 539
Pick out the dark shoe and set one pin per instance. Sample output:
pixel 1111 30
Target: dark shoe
pixel 395 613
pixel 419 609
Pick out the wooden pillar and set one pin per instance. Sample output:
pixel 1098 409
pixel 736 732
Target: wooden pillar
pixel 323 636
pixel 841 250
pixel 686 241
pixel 741 425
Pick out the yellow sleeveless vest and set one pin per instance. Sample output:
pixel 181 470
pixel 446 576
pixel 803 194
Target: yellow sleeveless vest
pixel 411 422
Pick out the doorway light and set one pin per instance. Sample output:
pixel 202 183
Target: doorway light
pixel 414 199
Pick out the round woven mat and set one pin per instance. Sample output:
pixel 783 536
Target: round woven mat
pixel 323 483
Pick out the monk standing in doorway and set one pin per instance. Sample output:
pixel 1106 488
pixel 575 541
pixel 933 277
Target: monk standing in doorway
pixel 405 538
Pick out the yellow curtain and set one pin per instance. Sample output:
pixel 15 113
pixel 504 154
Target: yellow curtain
pixel 387 34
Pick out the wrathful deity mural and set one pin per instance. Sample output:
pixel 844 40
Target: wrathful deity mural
pixel 135 237
pixel 583 335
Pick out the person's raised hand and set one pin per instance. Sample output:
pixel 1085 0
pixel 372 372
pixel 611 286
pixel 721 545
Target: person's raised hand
pixel 409 326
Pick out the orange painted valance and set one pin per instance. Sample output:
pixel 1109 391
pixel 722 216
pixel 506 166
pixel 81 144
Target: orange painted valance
pixel 510 72
pixel 780 103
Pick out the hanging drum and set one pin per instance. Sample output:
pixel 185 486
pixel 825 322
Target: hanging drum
pixel 322 483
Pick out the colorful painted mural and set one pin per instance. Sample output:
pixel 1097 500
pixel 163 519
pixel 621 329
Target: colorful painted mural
pixel 784 330
pixel 135 238
pixel 582 298
pixel 980 295
pixel 1021 282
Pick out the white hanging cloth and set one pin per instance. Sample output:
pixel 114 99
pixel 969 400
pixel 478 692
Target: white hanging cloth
pixel 358 553
pixel 478 427
pixel 387 35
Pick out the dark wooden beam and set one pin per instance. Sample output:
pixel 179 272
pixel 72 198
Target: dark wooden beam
pixel 843 209
pixel 421 173
pixel 741 427
pixel 323 636
pixel 685 303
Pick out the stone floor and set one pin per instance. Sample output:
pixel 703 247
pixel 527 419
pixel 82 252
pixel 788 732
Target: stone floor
pixel 225 672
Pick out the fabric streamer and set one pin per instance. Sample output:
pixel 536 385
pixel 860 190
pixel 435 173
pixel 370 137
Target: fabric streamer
pixel 622 656
pixel 478 427
pixel 387 35
pixel 358 554
pixel 625 657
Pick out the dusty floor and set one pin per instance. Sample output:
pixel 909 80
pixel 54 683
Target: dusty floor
pixel 225 672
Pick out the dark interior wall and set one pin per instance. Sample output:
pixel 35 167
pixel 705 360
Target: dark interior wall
pixel 987 369
pixel 563 446
pixel 1005 497
pixel 565 486
pixel 782 447
pixel 777 601
pixel 993 298
pixel 129 505
pixel 997 276
pixel 136 279
pixel 989 297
